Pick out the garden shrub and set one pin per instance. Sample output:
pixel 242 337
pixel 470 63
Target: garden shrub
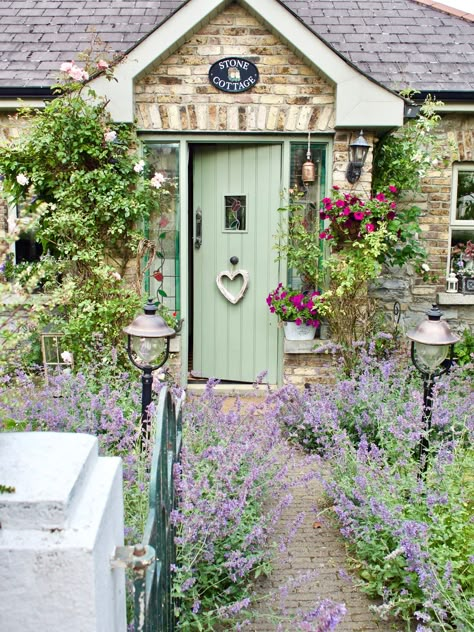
pixel 233 463
pixel 83 189
pixel 411 533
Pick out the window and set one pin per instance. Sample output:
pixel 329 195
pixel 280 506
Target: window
pixel 25 249
pixel 162 279
pixel 462 220
pixel 311 192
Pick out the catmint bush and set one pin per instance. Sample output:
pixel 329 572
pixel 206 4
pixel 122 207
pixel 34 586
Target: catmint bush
pixel 412 532
pixel 98 401
pixel 233 464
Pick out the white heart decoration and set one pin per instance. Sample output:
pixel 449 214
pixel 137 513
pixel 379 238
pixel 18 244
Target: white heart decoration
pixel 231 275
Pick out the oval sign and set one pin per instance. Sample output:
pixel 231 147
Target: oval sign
pixel 233 74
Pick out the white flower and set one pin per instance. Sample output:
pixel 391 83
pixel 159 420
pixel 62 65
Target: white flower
pixel 139 166
pixel 157 180
pixel 66 357
pixel 425 267
pixel 109 137
pixel 116 276
pixel 22 179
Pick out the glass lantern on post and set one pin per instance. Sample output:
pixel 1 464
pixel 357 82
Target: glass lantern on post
pixel 148 345
pixel 432 350
pixel 55 358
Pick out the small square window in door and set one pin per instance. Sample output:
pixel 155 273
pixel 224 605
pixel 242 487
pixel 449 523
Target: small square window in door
pixel 235 213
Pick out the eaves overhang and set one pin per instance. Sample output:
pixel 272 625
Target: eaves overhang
pixel 15 97
pixel 452 101
pixel 360 101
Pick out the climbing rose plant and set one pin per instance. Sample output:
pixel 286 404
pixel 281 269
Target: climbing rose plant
pixel 78 176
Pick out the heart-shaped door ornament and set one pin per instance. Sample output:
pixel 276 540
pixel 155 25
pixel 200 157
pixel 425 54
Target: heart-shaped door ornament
pixel 231 276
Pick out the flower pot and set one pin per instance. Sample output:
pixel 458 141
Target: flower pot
pixel 298 332
pixel 466 284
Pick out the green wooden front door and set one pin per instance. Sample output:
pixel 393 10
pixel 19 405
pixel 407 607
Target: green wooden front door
pixel 236 194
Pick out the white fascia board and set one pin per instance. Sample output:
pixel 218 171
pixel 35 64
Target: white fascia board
pixel 460 106
pixel 360 102
pixel 163 40
pixel 17 104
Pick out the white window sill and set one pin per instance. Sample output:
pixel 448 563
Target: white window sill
pixel 452 298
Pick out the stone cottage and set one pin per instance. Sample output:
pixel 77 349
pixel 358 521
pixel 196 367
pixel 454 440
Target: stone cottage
pixel 230 98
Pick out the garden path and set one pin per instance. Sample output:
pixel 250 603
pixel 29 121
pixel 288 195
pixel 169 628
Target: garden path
pixel 318 550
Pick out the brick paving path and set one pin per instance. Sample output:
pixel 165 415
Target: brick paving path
pixel 321 549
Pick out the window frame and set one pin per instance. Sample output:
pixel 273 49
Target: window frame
pixel 456 224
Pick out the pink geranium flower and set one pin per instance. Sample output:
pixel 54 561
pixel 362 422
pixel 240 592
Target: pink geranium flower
pixel 359 215
pixel 369 228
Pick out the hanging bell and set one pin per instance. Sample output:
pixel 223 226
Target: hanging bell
pixel 308 171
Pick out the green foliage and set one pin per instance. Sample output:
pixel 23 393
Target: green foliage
pixel 76 174
pixel 402 158
pixel 298 240
pixel 464 349
pixel 7 489
pixel 409 530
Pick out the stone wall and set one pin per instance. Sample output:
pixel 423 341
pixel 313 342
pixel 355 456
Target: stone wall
pixel 414 294
pixel 289 97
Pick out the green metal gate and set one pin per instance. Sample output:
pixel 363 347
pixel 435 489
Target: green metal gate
pixel 151 560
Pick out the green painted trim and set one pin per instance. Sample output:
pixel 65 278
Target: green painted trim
pixel 184 257
pixel 182 280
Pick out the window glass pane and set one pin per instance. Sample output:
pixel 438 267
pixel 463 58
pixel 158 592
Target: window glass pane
pixel 465 196
pixel 311 191
pixel 162 228
pixel 462 251
pixel 235 212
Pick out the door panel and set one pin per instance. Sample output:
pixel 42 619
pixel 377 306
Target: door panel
pixel 237 189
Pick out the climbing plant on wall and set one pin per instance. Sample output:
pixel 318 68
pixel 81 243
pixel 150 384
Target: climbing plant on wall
pixel 80 176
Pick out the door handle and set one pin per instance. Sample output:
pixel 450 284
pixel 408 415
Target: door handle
pixel 198 229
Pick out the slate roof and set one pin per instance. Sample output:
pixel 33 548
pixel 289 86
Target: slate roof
pixel 399 43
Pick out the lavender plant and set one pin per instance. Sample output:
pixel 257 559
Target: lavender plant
pixel 411 534
pixel 232 464
pixel 98 401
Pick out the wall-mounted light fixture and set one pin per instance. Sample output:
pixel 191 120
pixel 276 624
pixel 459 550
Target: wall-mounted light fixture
pixel 308 171
pixel 358 151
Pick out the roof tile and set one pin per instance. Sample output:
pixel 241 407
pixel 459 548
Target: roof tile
pixel 403 42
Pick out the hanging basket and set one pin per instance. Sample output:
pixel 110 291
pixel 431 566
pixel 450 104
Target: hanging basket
pixel 343 235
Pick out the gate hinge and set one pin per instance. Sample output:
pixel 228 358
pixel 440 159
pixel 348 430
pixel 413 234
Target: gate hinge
pixel 136 557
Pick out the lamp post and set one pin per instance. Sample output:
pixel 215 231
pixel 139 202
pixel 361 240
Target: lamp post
pixel 148 346
pixel 432 347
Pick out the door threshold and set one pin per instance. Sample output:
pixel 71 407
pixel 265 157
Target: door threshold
pixel 233 388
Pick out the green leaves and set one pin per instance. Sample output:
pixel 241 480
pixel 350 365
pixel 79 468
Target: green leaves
pixel 73 169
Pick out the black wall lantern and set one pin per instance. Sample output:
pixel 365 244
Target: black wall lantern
pixel 358 151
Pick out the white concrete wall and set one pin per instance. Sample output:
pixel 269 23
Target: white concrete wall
pixel 58 533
